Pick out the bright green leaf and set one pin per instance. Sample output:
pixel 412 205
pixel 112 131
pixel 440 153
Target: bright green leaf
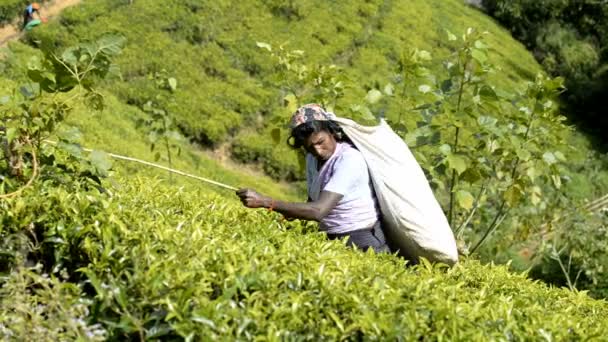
pixel 451 36
pixel 557 181
pixel 484 120
pixel 549 158
pixel 464 199
pixel 111 44
pixel 11 133
pixel 72 149
pixel 560 156
pixel 531 173
pixel 69 57
pixel 480 45
pixel 101 162
pixel 389 89
pixel 71 134
pixel 479 56
pixel 424 55
pixel 172 83
pixel 523 154
pixel 373 96
pixel 424 88
pixel 445 149
pixel 457 163
pixel 264 46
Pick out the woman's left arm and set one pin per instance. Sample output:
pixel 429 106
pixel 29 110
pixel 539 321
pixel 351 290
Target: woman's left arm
pixel 315 210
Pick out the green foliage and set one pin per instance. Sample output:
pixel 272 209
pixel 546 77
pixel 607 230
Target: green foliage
pixel 32 114
pixel 227 82
pixel 569 38
pixel 40 307
pixel 151 261
pixel 278 162
pixel 167 262
pixel 159 123
pixel 573 252
pixel 566 54
pixel 9 9
pixel 485 150
pixel 115 129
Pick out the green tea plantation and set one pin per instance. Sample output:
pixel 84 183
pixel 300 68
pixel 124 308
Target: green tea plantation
pixel 93 248
pixel 144 260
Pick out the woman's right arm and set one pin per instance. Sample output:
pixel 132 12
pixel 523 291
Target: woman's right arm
pixel 314 210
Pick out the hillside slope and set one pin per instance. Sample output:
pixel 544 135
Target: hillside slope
pixel 228 86
pixel 230 93
pixel 49 10
pixel 139 256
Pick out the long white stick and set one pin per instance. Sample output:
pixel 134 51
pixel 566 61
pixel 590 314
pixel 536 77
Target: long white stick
pixel 117 156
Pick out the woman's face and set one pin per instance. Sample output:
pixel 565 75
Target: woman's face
pixel 321 145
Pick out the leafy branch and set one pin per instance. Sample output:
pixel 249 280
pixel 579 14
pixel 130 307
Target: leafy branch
pixel 33 113
pixel 159 123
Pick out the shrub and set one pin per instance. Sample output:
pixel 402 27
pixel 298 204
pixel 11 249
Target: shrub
pixel 40 307
pixel 574 255
pixel 279 162
pixel 166 262
pixel 569 39
pixel 565 53
pixel 9 9
pixel 210 47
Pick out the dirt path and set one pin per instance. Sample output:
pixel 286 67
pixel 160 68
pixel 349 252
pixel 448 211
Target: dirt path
pixel 49 10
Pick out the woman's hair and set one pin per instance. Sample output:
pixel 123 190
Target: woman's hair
pixel 305 130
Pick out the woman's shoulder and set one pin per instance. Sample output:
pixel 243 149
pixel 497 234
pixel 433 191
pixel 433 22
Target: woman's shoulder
pixel 352 155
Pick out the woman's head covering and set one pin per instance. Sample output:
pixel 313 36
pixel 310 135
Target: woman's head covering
pixel 36 6
pixel 308 113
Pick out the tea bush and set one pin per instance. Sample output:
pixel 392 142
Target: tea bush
pixel 159 261
pixel 136 258
pixel 279 162
pixel 9 9
pixel 226 82
pixel 40 307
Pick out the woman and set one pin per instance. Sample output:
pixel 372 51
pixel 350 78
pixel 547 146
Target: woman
pixel 340 193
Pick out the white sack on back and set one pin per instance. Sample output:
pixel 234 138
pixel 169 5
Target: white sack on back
pixel 413 220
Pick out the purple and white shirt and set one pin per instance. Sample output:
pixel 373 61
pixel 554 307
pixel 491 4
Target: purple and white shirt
pixel 344 173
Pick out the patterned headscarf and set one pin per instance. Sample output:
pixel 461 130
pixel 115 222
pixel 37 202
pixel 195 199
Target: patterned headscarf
pixel 308 113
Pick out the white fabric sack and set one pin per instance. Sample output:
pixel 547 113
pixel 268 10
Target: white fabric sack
pixel 413 220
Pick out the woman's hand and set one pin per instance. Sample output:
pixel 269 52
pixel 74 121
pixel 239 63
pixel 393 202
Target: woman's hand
pixel 252 199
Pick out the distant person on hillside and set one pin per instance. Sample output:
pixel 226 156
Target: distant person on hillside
pixel 340 193
pixel 32 13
